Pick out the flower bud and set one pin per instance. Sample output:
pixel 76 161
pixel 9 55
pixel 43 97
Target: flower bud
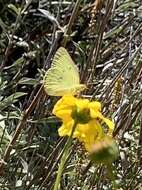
pixel 104 151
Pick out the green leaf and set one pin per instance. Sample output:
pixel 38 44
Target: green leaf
pixel 46 120
pixel 3 26
pixel 14 8
pixel 114 31
pixel 126 6
pixel 4 136
pixel 11 99
pixel 28 81
pixel 18 62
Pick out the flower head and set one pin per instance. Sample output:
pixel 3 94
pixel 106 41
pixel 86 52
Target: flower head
pixel 88 117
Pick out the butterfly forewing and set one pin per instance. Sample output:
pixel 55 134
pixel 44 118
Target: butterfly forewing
pixel 62 78
pixel 64 63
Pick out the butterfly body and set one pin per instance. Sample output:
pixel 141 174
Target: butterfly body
pixel 63 77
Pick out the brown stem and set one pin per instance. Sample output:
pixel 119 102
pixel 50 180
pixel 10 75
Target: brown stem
pixel 71 21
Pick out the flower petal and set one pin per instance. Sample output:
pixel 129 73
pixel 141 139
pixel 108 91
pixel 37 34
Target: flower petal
pixel 82 104
pixel 109 123
pixel 65 115
pixel 66 129
pixel 66 102
pixel 95 105
pixel 96 114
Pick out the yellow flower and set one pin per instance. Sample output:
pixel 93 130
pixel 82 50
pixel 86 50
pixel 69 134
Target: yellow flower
pixel 88 117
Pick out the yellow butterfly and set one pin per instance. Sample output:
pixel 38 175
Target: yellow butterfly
pixel 63 77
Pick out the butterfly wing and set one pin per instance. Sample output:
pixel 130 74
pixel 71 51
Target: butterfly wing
pixel 63 77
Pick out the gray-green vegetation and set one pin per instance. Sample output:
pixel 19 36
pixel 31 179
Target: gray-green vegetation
pixel 104 38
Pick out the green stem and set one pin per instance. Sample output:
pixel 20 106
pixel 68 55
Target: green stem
pixel 63 159
pixel 111 176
